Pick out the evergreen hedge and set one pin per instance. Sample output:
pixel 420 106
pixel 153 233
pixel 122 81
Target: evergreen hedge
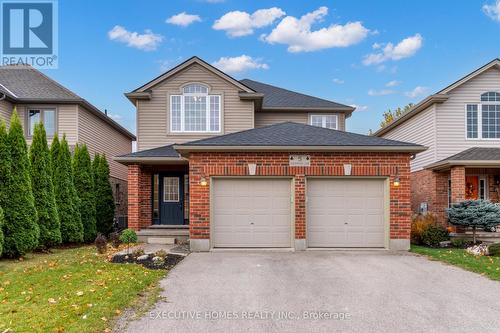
pixel 66 197
pixel 20 229
pixel 2 221
pixel 105 202
pixel 4 164
pixel 43 189
pixel 84 185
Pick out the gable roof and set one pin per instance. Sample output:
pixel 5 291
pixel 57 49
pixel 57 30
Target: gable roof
pixel 155 155
pixel 476 156
pixel 289 136
pixel 193 60
pixel 439 97
pixel 25 84
pixel 280 98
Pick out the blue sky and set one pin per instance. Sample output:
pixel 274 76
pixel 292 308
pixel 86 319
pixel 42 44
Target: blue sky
pixel 373 54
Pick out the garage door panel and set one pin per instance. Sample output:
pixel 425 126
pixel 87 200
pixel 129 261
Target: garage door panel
pixel 345 213
pixel 251 213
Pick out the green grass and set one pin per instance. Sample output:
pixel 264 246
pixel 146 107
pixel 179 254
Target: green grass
pixel 484 265
pixel 69 290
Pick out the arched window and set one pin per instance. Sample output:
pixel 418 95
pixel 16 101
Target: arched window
pixel 483 119
pixel 195 110
pixel 490 96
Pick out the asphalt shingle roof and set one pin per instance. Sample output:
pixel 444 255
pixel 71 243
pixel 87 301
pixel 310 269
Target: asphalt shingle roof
pixel 276 97
pixel 294 134
pixel 476 154
pixel 24 82
pixel 165 151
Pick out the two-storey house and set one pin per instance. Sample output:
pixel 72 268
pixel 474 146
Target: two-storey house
pixel 460 125
pixel 243 164
pixel 38 98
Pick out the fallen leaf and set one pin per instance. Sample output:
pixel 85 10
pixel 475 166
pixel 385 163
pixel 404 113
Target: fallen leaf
pixel 79 293
pixel 52 301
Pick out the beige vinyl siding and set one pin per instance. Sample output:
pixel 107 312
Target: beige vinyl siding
pixel 66 119
pixel 451 120
pixel 268 118
pixel 153 115
pixel 100 137
pixel 420 130
pixel 5 111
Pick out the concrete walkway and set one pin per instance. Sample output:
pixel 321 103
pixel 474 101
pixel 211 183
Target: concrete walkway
pixel 319 291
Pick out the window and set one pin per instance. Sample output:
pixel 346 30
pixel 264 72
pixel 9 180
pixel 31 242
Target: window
pixel 156 197
pixel 482 188
pixel 326 120
pixel 170 189
pixel 47 116
pixel 490 121
pixel 117 194
pixel 195 110
pixel 186 197
pixel 483 119
pixel 472 121
pixel 449 193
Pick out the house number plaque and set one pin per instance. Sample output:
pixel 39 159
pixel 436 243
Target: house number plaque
pixel 300 160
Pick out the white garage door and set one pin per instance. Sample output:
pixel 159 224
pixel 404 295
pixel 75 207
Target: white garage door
pixel 251 213
pixel 345 213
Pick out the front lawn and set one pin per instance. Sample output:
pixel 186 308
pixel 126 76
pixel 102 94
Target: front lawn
pixel 70 290
pixel 484 265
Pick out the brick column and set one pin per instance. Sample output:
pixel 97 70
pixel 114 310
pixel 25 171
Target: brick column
pixel 457 184
pixel 139 197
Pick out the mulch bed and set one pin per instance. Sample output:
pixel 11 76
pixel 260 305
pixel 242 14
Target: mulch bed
pixel 166 262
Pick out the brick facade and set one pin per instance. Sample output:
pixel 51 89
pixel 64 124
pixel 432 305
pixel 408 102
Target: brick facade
pixel 432 188
pixel 206 165
pixel 139 197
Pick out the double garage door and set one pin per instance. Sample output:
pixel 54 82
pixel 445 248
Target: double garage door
pixel 258 213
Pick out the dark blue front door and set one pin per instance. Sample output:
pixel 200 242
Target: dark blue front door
pixel 171 199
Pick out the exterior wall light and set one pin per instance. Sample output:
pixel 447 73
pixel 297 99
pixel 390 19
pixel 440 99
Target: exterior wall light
pixel 396 182
pixel 203 181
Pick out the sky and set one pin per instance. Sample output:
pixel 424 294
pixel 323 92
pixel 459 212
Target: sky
pixel 374 55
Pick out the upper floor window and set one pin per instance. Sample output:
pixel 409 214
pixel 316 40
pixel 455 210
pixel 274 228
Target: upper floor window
pixel 46 116
pixel 483 120
pixel 195 110
pixel 324 120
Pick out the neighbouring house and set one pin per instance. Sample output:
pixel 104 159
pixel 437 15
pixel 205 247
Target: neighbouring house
pixel 37 97
pixel 243 164
pixel 460 125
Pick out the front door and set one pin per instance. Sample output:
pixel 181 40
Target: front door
pixel 471 187
pixel 171 200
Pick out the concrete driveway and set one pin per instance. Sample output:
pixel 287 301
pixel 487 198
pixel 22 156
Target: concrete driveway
pixel 321 291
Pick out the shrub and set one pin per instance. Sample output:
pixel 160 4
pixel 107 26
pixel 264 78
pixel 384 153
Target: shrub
pixel 43 190
pixel 66 198
pixel 138 252
pixel 475 214
pixel 114 237
pixel 433 234
pixel 101 243
pixel 4 165
pixel 20 229
pixel 460 243
pixel 105 203
pixel 419 224
pixel 84 186
pixel 1 232
pixel 494 250
pixel 128 236
pixel 161 253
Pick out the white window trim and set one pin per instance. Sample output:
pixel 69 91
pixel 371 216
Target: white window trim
pixel 479 122
pixel 323 120
pixel 42 119
pixel 207 113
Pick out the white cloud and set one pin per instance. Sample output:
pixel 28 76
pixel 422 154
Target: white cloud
pixel 359 107
pixel 382 92
pixel 114 116
pixel 238 23
pixel 493 10
pixel 338 81
pixel 417 92
pixel 239 64
pixel 148 41
pixel 404 49
pixel 183 19
pixel 393 83
pixel 297 34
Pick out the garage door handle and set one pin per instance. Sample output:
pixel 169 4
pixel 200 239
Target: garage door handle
pixel 346 223
pixel 251 222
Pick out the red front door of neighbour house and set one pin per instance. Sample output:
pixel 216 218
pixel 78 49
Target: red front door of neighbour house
pixel 471 187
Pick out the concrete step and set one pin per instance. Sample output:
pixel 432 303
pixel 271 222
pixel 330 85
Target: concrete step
pixel 161 240
pixel 163 235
